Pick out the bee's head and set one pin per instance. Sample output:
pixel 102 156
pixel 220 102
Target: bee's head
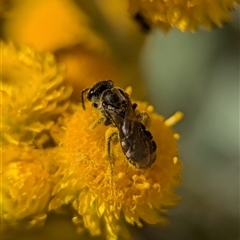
pixel 94 94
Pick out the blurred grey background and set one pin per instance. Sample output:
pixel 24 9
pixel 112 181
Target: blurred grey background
pixel 198 74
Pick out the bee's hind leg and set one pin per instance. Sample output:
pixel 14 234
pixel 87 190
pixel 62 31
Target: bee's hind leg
pixel 143 117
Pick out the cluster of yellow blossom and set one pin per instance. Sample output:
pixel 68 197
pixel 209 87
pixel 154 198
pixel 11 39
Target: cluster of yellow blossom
pixel 33 94
pixel 51 159
pixel 32 98
pixel 26 186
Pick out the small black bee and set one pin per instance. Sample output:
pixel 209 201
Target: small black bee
pixel 136 141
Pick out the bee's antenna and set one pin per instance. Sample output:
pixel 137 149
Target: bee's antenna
pixel 82 95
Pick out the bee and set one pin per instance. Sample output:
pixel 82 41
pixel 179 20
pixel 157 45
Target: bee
pixel 117 109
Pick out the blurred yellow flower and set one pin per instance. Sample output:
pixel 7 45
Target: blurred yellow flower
pixel 49 25
pixel 25 186
pixel 84 67
pixel 186 15
pixel 32 93
pixel 85 182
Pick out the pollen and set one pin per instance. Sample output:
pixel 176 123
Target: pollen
pixel 175 118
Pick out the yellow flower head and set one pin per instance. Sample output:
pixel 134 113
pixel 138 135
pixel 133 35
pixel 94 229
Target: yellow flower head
pixel 49 25
pixel 184 14
pixel 99 197
pixel 25 186
pixel 32 94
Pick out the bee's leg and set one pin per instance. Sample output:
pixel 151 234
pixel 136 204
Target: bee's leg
pixel 82 96
pixel 134 106
pixel 144 118
pixel 96 123
pixel 110 135
pixel 107 121
pixel 104 120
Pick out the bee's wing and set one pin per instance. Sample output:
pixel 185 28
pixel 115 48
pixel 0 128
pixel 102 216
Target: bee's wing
pixel 136 142
pixel 143 153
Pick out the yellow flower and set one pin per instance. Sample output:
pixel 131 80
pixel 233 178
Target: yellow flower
pixel 184 14
pixel 49 25
pixel 84 178
pixel 25 186
pixel 32 95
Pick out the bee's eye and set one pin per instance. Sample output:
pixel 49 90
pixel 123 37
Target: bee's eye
pixel 95 105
